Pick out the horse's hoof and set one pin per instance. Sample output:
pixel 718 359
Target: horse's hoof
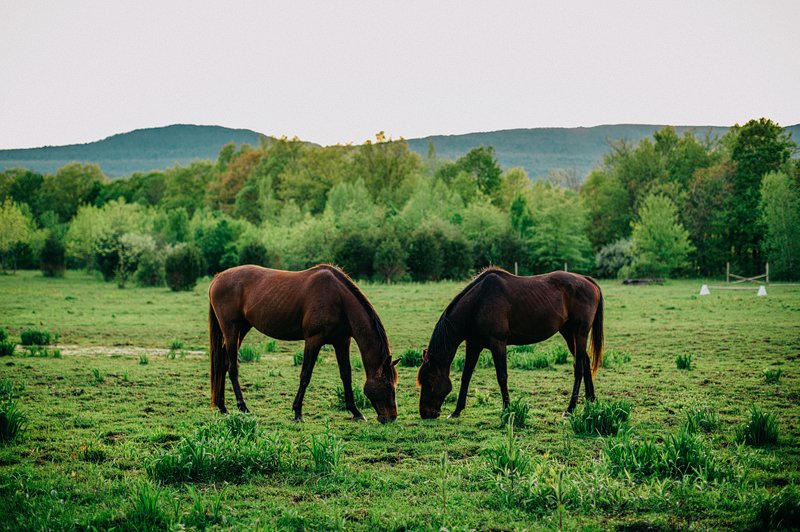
pixel 298 419
pixel 454 415
pixel 244 409
pixel 222 410
pixel 359 418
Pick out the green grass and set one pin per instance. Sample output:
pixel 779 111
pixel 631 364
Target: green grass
pixel 761 429
pixel 773 376
pixel 411 358
pixel 249 354
pixel 684 361
pixel 85 451
pixel 603 418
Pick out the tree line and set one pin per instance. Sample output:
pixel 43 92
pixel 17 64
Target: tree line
pixel 670 205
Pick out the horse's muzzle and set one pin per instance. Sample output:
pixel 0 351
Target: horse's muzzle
pixel 428 414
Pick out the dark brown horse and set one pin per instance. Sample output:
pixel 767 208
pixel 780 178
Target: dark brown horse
pixel 498 309
pixel 320 305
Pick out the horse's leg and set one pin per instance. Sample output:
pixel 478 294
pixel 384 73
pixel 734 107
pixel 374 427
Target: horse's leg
pixel 473 353
pixel 578 352
pixel 233 365
pixel 588 383
pixel 343 359
pixel 499 357
pixel 310 354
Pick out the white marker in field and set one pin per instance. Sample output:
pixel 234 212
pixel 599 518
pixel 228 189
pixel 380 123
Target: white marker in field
pixel 762 292
pixel 704 291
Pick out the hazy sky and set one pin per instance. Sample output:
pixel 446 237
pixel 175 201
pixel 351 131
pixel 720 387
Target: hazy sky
pixel 332 71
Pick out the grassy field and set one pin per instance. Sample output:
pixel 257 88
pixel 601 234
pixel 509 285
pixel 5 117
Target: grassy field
pixel 120 434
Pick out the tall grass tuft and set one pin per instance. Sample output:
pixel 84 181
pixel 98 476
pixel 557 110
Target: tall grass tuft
pixel 411 358
pixel 97 377
pixel 144 359
pixel 780 511
pixel 761 429
pixel 529 361
pixel 516 413
pixel 676 457
pixel 507 459
pixel 146 512
pixel 270 346
pixel 615 359
pixel 358 396
pixel 516 349
pixel 701 418
pixel 7 348
pixel 12 421
pixel 176 345
pixel 297 358
pixel 560 354
pixel 684 361
pixel 326 452
pixel 35 337
pixel 772 376
pixel 249 354
pixel 228 449
pixel 600 417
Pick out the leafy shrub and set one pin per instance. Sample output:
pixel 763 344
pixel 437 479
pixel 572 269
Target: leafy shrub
pixel 7 348
pixel 456 256
pixel 701 418
pixel 256 253
pixel 781 511
pixel 600 417
pixel 249 354
pixel 150 270
pixel 773 376
pixel 326 452
pixel 613 257
pixel 761 429
pixel 52 257
pixel 358 397
pixel 390 259
pixel 516 413
pixel 411 358
pixel 230 448
pixel 425 255
pixel 684 361
pixel 183 266
pixel 35 337
pixel 355 253
pixel 12 421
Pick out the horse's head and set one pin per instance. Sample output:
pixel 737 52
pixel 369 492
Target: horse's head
pixel 380 390
pixel 434 384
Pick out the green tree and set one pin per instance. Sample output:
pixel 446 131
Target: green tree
pixel 660 243
pixel 385 166
pixel 73 185
pixel 390 258
pixel 52 258
pixel 759 147
pixel 609 211
pixel 16 230
pixel 707 217
pixel 780 214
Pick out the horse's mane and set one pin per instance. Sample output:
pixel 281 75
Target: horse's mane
pixel 441 337
pixel 370 310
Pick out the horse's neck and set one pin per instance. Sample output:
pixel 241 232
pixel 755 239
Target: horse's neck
pixel 370 342
pixel 451 336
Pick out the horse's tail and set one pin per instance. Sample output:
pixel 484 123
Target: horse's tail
pixel 217 352
pixel 597 331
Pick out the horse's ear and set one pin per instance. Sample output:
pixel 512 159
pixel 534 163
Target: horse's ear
pixel 425 354
pixel 395 361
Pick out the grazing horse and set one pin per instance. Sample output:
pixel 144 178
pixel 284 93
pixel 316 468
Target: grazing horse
pixel 497 309
pixel 320 305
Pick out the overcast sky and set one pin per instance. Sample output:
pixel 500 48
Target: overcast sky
pixel 335 71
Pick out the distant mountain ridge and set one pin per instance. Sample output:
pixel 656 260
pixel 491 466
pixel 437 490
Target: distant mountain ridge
pixel 537 150
pixel 140 150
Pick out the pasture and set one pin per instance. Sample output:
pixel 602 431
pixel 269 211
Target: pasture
pixel 119 431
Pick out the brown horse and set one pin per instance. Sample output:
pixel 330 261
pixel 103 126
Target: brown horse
pixel 320 305
pixel 497 309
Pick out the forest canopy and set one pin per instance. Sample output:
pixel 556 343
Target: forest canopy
pixel 669 205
